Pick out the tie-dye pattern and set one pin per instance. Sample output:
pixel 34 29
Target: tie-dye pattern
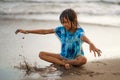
pixel 71 42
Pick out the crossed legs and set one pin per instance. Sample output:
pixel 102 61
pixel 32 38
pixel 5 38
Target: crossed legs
pixel 57 59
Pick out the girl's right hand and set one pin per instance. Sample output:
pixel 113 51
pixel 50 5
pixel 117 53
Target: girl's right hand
pixel 21 31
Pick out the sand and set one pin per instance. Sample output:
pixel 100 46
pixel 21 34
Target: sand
pixel 95 70
pixel 106 67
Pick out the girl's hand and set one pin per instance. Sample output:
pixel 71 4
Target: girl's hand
pixel 21 31
pixel 95 50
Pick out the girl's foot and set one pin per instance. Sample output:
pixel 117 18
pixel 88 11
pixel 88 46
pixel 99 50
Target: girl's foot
pixel 67 66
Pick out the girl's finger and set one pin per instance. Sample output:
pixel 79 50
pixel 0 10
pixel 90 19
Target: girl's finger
pixel 94 53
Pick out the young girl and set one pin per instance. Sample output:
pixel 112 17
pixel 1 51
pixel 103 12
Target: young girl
pixel 71 37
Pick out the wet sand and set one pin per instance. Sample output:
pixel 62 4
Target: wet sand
pixel 95 70
pixel 12 46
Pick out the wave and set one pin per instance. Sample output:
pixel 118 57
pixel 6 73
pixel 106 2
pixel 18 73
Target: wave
pixel 66 1
pixel 28 13
pixel 117 2
pixel 95 20
pixel 38 7
pixel 43 1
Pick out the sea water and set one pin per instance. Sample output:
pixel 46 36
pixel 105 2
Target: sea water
pixel 105 11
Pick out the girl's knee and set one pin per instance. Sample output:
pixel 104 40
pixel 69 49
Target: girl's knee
pixel 84 60
pixel 41 54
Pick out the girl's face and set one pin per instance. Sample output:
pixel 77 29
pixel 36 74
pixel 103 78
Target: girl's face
pixel 66 23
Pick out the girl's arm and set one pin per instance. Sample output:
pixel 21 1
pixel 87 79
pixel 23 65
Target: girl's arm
pixel 91 46
pixel 39 31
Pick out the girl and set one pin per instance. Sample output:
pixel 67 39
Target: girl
pixel 71 37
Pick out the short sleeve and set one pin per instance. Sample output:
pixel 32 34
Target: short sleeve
pixel 81 31
pixel 60 31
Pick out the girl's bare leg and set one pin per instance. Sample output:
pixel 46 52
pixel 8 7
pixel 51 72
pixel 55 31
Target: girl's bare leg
pixel 78 61
pixel 53 58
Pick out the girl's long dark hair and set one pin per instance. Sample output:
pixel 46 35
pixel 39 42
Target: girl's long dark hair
pixel 70 15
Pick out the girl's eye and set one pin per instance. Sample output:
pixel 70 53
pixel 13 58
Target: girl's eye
pixel 65 22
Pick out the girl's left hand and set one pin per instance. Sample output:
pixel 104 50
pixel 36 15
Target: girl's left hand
pixel 95 50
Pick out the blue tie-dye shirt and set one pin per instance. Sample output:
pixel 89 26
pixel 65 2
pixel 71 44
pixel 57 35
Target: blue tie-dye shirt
pixel 71 42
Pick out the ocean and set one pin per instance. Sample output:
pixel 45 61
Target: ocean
pixel 107 12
